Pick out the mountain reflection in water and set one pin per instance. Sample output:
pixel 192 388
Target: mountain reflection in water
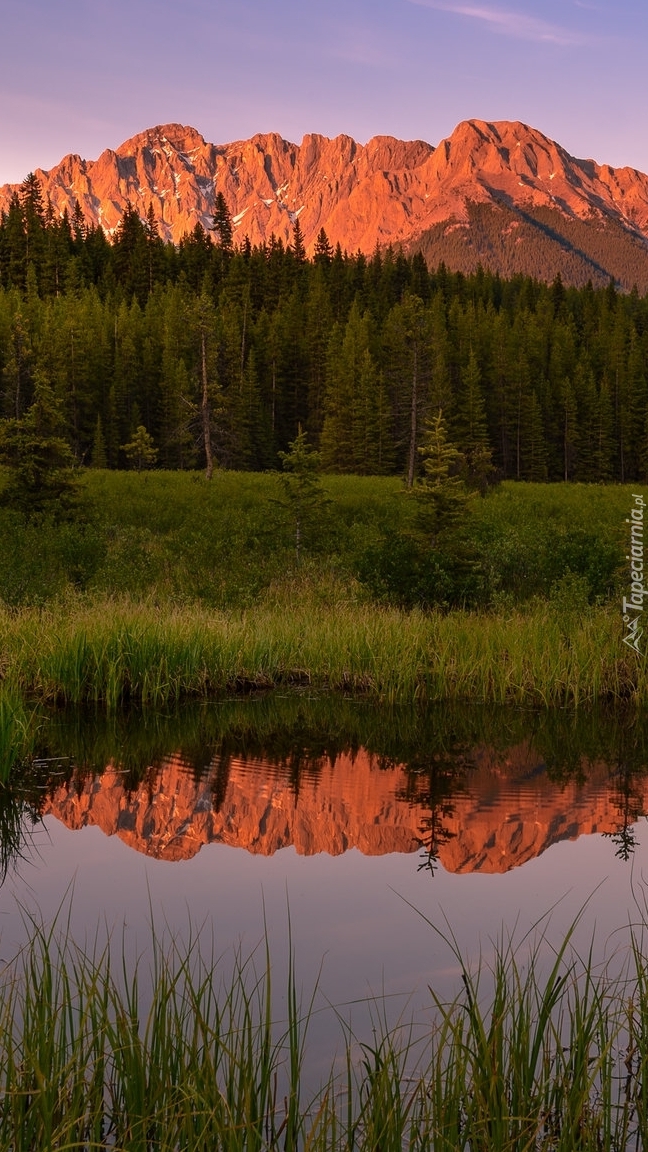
pixel 471 789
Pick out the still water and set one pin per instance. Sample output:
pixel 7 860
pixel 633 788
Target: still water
pixel 360 828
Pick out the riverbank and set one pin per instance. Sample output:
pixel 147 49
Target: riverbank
pixel 173 587
pixel 114 650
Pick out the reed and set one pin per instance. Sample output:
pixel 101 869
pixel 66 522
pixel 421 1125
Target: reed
pixel 548 1054
pixel 111 651
pixel 17 730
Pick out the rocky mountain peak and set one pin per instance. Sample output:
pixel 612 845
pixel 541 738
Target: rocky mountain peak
pixel 387 191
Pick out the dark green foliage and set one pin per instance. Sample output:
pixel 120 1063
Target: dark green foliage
pixel 536 381
pixel 406 572
pixel 304 498
pixel 41 560
pixel 222 543
pixel 42 480
pixel 99 458
pixel 529 555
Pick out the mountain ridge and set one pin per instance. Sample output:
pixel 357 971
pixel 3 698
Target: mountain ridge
pixel 409 194
pixel 508 814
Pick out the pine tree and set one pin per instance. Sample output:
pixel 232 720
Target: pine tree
pixel 15 245
pixel 472 429
pixel 222 226
pixel 140 450
pixel 18 369
pixel 78 224
pixel 407 348
pixel 371 422
pixel 323 252
pixel 318 327
pixel 130 254
pixel 570 436
pixel 31 200
pixel 586 468
pixel 99 457
pixel 298 247
pixel 604 434
pixel 42 480
pixel 154 247
pixel 441 493
pixel 356 410
pixel 534 444
pixel 304 498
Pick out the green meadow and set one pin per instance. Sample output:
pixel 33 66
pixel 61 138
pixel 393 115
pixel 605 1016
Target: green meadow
pixel 171 586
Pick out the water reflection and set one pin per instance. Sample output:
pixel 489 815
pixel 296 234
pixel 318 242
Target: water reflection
pixel 465 788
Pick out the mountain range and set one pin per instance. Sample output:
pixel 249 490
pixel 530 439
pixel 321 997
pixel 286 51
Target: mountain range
pixel 498 194
pixel 508 813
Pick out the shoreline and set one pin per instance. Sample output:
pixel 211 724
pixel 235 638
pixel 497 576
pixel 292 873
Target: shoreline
pixel 112 651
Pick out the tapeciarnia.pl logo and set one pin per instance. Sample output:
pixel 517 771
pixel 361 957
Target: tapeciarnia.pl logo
pixel 634 606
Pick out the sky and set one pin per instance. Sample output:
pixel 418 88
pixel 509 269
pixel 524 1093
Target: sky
pixel 84 75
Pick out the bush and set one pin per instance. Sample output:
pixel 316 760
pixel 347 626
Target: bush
pixel 528 561
pixel 404 571
pixel 38 561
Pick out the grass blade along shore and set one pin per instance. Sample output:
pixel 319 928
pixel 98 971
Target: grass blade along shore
pixel 546 1055
pixel 114 651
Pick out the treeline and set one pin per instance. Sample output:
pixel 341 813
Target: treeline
pixel 225 350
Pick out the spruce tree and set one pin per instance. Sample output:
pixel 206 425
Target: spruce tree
pixel 31 200
pixel 323 252
pixel 441 493
pixel 140 450
pixel 99 457
pixel 534 444
pixel 472 429
pixel 570 433
pixel 222 226
pixel 298 247
pixel 42 478
pixel 304 499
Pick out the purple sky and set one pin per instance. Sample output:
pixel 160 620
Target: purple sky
pixel 81 76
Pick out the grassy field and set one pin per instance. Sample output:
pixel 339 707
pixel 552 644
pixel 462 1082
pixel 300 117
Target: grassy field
pixel 173 586
pixel 226 542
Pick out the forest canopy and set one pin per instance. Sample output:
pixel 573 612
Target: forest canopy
pixel 214 348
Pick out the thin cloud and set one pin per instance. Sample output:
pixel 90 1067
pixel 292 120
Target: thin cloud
pixel 514 24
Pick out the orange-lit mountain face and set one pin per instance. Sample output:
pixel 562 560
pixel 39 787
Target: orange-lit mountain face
pixel 473 198
pixel 505 813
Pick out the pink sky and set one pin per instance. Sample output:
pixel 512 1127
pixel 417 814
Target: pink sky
pixel 80 76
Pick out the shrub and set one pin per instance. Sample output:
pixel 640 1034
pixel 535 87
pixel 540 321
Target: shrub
pixel 404 571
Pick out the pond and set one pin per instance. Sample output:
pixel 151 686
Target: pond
pixel 355 831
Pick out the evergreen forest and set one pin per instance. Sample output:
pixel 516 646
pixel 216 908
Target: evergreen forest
pixel 215 354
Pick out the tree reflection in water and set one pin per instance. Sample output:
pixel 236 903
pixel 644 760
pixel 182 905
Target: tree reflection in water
pixel 438 750
pixel 627 777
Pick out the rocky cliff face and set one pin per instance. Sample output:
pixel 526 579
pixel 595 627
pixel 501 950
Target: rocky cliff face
pixel 508 813
pixel 387 191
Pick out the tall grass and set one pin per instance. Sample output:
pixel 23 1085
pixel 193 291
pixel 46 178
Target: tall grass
pixel 112 651
pixel 551 1055
pixel 17 730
